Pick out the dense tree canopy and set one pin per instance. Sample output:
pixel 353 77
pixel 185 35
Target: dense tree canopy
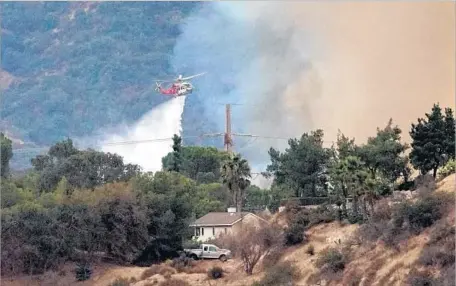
pixel 303 165
pixel 198 163
pixel 384 153
pixel 82 169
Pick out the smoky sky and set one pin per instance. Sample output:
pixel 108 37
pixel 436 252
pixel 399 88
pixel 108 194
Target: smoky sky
pixel 295 67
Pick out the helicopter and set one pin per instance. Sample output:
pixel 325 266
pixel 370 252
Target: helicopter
pixel 179 87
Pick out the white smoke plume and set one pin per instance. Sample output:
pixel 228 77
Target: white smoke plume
pixel 298 66
pixel 161 122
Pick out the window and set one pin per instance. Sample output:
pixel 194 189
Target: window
pixel 225 230
pixel 202 231
pixel 211 248
pixel 197 231
pixel 213 231
pixel 205 248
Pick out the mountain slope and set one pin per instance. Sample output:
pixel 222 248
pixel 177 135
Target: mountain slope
pixel 72 68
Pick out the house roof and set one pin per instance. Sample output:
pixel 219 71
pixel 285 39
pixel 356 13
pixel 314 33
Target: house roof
pixel 219 218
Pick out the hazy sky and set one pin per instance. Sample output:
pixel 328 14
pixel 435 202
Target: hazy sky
pixel 376 60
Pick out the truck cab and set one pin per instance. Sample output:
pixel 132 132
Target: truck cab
pixel 208 251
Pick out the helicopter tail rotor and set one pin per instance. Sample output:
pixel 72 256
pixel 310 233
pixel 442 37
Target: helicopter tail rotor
pixel 158 86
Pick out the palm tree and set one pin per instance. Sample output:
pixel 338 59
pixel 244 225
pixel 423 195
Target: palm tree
pixel 235 173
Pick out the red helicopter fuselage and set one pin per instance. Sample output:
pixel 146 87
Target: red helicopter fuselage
pixel 173 90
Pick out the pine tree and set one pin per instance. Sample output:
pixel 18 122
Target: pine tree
pixel 176 155
pixel 433 140
pixel 450 133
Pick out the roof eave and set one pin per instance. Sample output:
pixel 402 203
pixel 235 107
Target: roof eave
pixel 205 224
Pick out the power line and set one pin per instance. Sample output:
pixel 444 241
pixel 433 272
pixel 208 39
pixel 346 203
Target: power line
pixel 159 139
pixel 132 142
pixel 228 142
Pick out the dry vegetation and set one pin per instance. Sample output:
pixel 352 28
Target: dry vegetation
pixel 406 243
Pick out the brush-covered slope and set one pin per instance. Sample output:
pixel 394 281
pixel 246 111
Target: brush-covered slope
pixel 413 261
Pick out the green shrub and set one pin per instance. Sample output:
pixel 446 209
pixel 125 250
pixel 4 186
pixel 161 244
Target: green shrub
pixel 215 272
pixel 354 218
pixel 448 169
pixel 83 271
pixel 281 274
pixel 406 186
pixel 294 234
pixel 420 214
pixel 331 259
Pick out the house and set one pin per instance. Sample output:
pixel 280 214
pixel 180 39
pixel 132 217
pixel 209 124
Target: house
pixel 214 224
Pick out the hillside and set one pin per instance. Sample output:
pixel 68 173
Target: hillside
pixel 82 67
pixel 368 264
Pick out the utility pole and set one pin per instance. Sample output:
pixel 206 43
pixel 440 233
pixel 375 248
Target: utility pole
pixel 228 142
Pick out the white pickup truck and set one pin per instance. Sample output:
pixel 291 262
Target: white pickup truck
pixel 208 251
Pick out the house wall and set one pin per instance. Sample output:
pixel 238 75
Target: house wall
pixel 211 232
pixel 249 219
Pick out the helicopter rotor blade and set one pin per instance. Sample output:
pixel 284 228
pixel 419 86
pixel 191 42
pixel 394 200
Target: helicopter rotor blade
pixel 189 77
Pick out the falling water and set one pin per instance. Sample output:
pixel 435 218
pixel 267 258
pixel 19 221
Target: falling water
pixel 158 126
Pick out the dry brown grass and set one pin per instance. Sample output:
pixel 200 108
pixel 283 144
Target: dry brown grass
pixel 389 276
pixel 371 273
pixel 164 270
pixel 352 278
pixel 174 282
pixel 195 269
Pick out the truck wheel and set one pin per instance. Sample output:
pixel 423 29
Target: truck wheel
pixel 194 257
pixel 223 258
